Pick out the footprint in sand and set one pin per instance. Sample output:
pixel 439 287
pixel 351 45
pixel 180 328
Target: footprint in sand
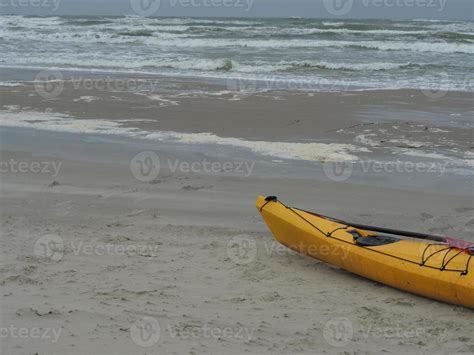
pixel 425 215
pixel 19 279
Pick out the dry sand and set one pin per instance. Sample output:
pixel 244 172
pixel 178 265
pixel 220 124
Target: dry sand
pixel 95 261
pixel 167 250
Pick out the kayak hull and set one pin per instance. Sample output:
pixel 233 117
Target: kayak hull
pixel 431 270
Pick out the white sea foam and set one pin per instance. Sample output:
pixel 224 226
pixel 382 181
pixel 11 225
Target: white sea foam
pixel 365 139
pixel 333 24
pixel 303 151
pixel 87 98
pixel 285 150
pixel 309 31
pixel 163 101
pixel 409 143
pixel 10 84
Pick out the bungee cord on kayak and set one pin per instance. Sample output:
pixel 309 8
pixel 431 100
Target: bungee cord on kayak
pixel 442 267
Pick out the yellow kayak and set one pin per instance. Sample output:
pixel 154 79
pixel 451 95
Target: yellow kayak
pixel 434 270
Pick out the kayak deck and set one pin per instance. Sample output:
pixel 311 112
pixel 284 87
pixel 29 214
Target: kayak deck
pixel 432 270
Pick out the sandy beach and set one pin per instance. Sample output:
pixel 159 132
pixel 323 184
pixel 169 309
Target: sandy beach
pixel 100 257
pixel 136 136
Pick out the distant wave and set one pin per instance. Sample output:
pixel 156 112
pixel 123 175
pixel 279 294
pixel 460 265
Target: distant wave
pixel 87 22
pixel 437 47
pixel 455 36
pixel 333 24
pixel 263 67
pixel 139 33
pixel 164 39
pixel 227 65
pixel 376 66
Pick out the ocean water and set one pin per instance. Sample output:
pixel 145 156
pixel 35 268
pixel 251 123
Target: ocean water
pixel 287 54
pixel 305 54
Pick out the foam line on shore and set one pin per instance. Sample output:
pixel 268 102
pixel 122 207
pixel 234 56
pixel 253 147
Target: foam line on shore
pixel 287 150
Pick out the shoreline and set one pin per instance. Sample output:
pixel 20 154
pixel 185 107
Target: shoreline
pixel 297 128
pixel 252 83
